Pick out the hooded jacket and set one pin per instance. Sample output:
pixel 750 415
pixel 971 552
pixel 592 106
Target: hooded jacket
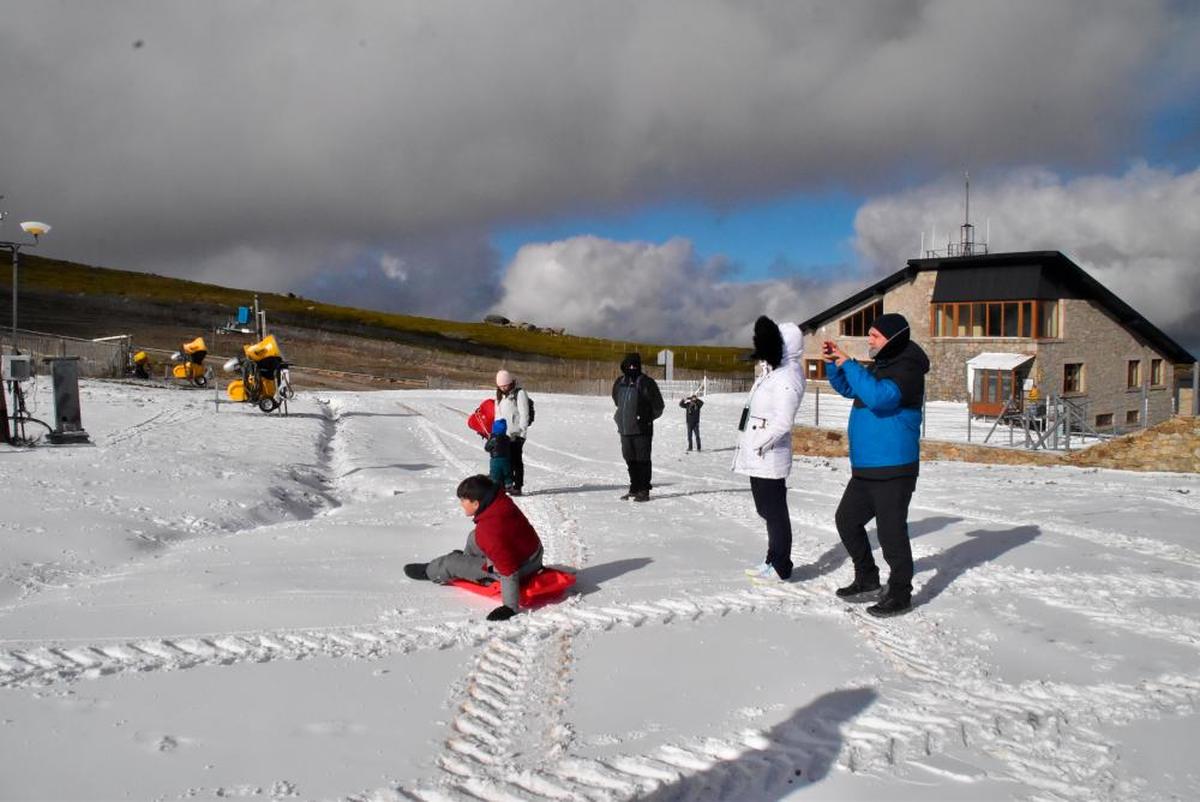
pixel 885 421
pixel 764 446
pixel 504 534
pixel 513 407
pixel 638 399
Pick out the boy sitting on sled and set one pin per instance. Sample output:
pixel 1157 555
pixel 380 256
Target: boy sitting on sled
pixel 503 546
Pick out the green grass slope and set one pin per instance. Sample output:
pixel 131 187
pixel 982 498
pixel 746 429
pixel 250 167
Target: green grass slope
pixel 42 275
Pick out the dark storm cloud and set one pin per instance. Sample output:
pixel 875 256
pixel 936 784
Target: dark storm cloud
pixel 287 140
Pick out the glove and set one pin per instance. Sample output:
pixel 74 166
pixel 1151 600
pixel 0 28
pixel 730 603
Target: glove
pixel 501 613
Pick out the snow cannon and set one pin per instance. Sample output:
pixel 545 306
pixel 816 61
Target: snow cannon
pixel 141 364
pixel 191 358
pixel 265 379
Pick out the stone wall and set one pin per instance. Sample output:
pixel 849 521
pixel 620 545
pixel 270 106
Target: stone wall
pixel 1173 445
pixel 1103 346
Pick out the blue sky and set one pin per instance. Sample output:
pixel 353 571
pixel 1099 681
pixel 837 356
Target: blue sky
pixel 796 233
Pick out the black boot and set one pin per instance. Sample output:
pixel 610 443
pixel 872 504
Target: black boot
pixel 889 606
pixel 641 495
pixel 416 571
pixel 860 590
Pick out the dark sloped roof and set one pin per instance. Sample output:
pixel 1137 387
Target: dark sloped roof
pixel 1074 281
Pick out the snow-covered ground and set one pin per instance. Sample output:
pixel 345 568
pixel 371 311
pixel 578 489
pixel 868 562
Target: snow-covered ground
pixel 210 604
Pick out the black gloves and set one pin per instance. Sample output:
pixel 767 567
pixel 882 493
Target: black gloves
pixel 501 613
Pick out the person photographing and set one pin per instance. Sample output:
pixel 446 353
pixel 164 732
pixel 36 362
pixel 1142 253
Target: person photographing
pixel 885 452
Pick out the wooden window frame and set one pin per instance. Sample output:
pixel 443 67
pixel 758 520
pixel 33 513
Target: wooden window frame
pixel 1157 367
pixel 970 316
pixel 1082 378
pixel 860 316
pixel 1133 374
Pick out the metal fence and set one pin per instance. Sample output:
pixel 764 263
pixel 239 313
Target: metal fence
pixel 96 359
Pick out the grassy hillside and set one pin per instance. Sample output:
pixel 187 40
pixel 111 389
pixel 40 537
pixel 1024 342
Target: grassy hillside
pixel 42 275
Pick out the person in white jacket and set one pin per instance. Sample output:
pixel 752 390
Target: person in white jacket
pixel 512 406
pixel 764 445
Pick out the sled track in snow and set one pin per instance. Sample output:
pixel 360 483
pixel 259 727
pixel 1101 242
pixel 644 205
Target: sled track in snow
pixel 29 664
pixel 167 417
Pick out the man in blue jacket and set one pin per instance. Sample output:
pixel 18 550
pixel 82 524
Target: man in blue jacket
pixel 885 454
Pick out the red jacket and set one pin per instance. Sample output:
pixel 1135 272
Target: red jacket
pixel 504 534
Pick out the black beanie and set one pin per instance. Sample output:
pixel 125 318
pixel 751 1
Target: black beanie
pixel 768 342
pixel 895 328
pixel 632 363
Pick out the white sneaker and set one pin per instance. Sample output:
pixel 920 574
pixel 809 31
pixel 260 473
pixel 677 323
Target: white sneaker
pixel 761 571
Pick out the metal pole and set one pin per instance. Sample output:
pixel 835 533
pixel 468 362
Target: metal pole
pixel 817 408
pixel 1196 389
pixel 15 251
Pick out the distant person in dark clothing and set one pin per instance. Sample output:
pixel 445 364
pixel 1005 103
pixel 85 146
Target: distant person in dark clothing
pixel 885 453
pixel 692 404
pixel 639 404
pixel 500 447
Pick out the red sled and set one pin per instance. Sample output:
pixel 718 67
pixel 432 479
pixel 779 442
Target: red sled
pixel 482 418
pixel 546 585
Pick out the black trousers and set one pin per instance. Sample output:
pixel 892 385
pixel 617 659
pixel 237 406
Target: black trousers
pixel 635 448
pixel 518 464
pixel 770 502
pixel 693 427
pixel 885 500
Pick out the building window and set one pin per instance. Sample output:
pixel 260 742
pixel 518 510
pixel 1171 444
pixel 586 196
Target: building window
pixel 1157 376
pixel 1015 319
pixel 1047 319
pixel 1104 421
pixel 814 368
pixel 860 322
pixel 1073 377
pixel 1132 416
pixel 994 387
pixel 1133 374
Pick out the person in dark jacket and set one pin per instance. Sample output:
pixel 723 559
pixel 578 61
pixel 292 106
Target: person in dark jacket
pixel 499 445
pixel 639 404
pixel 885 452
pixel 503 546
pixel 692 406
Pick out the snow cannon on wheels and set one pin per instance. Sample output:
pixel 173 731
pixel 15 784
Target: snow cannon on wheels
pixel 191 363
pixel 140 365
pixel 265 379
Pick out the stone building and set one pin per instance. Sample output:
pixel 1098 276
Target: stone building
pixel 997 326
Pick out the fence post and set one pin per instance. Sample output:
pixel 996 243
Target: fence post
pixel 817 408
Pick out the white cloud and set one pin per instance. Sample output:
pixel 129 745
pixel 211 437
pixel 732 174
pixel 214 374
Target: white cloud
pixel 268 123
pixel 1137 233
pixel 645 291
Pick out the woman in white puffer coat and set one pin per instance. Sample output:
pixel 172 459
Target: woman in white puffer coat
pixel 764 446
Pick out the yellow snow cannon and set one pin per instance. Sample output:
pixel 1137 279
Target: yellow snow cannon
pixel 265 379
pixel 141 364
pixel 191 358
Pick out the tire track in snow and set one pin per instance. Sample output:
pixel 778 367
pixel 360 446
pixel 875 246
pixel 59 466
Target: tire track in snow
pixel 40 663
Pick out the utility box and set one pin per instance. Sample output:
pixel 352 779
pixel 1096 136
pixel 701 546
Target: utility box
pixel 16 367
pixel 68 427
